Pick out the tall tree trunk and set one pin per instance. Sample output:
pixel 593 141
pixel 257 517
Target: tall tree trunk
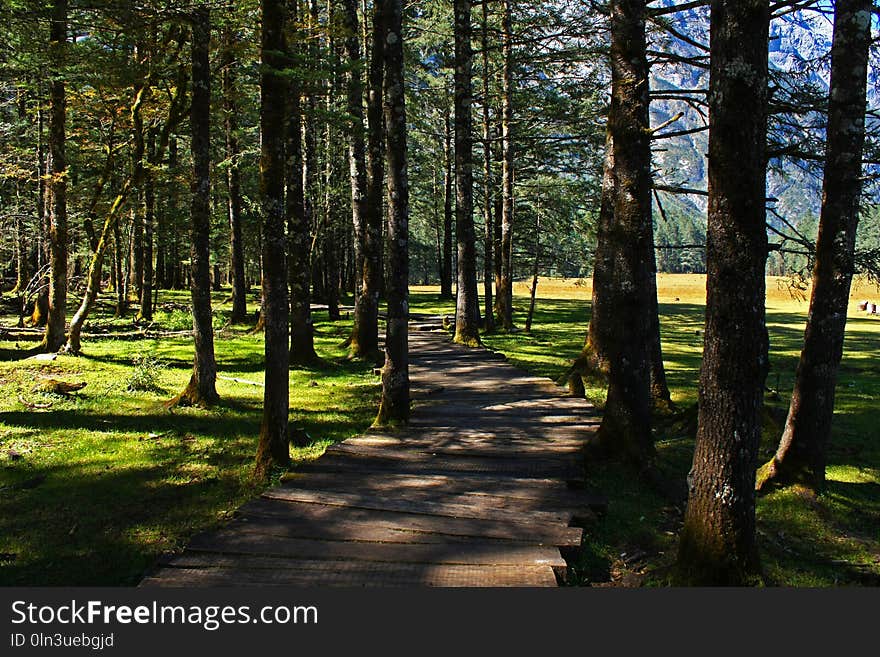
pixel 22 270
pixel 201 390
pixel 365 334
pixel 447 268
pixel 149 179
pixel 233 178
pixel 489 237
pixel 467 304
pixel 299 275
pixel 41 302
pixel 136 271
pixel 273 449
pixel 498 213
pixel 53 339
pixel 119 288
pixel 332 163
pixel 394 406
pixel 594 358
pixel 505 292
pixel 357 166
pixel 626 422
pixel 718 538
pixel 801 455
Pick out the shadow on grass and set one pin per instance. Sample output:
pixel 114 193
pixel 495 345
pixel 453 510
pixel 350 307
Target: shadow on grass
pixel 105 528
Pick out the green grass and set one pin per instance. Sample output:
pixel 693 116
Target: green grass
pixel 105 480
pixel 804 541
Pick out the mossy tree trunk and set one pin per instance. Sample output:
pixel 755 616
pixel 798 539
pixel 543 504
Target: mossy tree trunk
pixel 53 339
pixel 505 290
pixel 446 269
pixel 394 406
pixel 488 234
pixel 145 313
pixel 233 177
pixel 801 455
pixel 357 163
pixel 467 304
pixel 299 273
pixel 274 448
pixel 593 360
pixel 364 341
pixel 201 390
pixel 717 545
pixel 626 422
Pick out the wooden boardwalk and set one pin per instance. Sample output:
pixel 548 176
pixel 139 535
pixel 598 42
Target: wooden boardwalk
pixel 475 492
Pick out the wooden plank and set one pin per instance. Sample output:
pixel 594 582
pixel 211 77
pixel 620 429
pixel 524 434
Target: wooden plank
pixel 413 463
pixel 480 447
pixel 358 531
pixel 479 508
pixel 514 486
pixel 445 489
pixel 341 573
pixel 383 467
pixel 313 516
pixel 509 554
pixel 417 452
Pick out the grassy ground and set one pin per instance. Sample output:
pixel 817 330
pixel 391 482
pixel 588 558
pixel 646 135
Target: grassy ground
pixel 93 486
pixel 98 483
pixel 804 541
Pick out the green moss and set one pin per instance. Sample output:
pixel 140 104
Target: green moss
pixel 105 480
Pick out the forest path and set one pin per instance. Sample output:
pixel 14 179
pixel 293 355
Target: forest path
pixel 478 490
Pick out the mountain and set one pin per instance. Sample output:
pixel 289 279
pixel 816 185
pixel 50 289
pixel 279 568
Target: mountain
pixel 799 53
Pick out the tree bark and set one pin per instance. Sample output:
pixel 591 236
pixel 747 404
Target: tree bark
pixel 299 274
pixel 41 302
pixel 365 334
pixel 718 538
pixel 201 390
pixel 53 339
pixel 801 455
pixel 626 422
pixel 119 289
pixel 489 236
pixel 394 406
pixel 594 360
pixel 233 177
pixel 467 304
pixel 505 292
pixel 149 183
pixel 273 449
pixel 357 166
pixel 446 268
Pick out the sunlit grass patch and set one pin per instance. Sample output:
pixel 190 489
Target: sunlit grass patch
pixel 95 485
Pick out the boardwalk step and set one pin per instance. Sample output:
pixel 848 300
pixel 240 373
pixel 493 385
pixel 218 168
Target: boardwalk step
pixel 478 508
pixel 317 518
pixel 502 492
pixel 205 551
pixel 348 574
pixel 428 464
